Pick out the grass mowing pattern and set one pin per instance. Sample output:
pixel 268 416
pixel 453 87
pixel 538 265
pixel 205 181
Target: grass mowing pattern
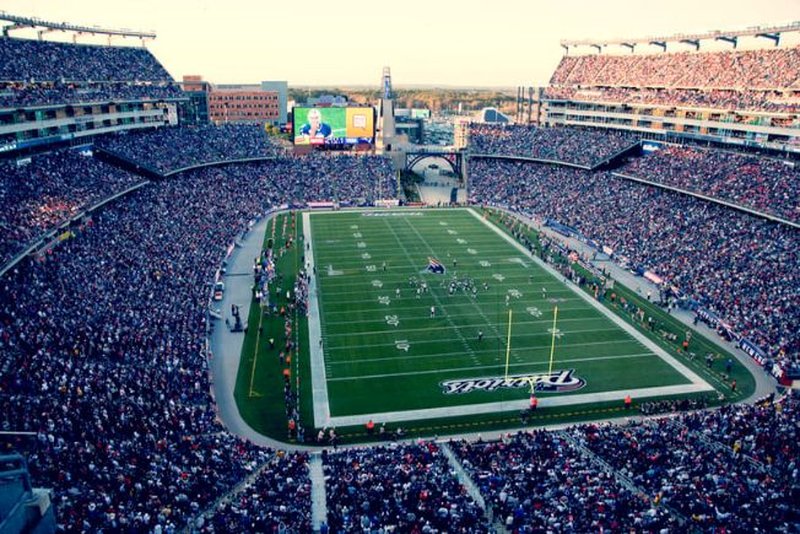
pixel 367 366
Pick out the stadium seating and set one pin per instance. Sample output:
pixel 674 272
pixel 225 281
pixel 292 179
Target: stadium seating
pixel 37 73
pixel 278 500
pixel 710 471
pixel 753 79
pixel 578 146
pixel 728 99
pixel 21 95
pixel 737 265
pixel 50 189
pixel 760 183
pixel 169 149
pixel 756 69
pixel 405 488
pixel 539 481
pixel 712 486
pixel 26 60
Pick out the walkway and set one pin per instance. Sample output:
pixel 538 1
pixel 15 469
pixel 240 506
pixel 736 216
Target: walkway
pixel 226 346
pixel 462 476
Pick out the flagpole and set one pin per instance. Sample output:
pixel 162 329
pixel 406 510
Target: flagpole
pixel 553 341
pixel 508 343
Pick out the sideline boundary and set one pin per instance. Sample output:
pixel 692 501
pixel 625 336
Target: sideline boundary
pixel 319 379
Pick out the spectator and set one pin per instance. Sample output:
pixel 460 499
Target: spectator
pixel 50 189
pixel 578 146
pixel 403 488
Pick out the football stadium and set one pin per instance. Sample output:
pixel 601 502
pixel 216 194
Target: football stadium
pixel 279 307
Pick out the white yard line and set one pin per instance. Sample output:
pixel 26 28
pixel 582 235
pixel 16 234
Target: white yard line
pixel 495 366
pixel 319 380
pixel 484 351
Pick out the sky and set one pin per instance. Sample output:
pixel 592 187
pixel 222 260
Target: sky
pixel 501 43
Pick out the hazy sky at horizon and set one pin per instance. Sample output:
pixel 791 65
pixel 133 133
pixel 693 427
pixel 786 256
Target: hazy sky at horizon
pixel 466 42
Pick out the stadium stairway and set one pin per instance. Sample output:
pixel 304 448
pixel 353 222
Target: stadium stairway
pixel 319 501
pixel 197 522
pixel 625 481
pixel 472 489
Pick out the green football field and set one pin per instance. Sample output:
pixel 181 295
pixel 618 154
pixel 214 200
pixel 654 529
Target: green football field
pixel 392 341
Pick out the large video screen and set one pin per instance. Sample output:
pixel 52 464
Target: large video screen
pixel 333 126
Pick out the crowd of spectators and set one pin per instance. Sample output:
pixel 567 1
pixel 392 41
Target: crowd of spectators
pixel 399 488
pixel 19 95
pixel 168 149
pixel 345 179
pixel 48 190
pixel 539 482
pixel 763 184
pixel 102 356
pixel 26 60
pixel 766 432
pixel 278 500
pixel 54 187
pixel 714 485
pixel 579 146
pixel 738 266
pixel 725 99
pixel 775 68
pixel 727 470
pixel 103 346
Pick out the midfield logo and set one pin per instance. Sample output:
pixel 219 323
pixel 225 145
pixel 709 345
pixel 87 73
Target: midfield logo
pixel 435 266
pixel 560 381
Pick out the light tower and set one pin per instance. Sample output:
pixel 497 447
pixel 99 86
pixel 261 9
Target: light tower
pixel 387 108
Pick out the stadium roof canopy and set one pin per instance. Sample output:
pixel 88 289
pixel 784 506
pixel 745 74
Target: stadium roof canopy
pixel 768 32
pixel 43 27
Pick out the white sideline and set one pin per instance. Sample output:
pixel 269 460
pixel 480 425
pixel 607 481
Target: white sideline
pixel 319 380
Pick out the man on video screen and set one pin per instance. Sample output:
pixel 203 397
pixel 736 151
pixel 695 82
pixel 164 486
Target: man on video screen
pixel 314 130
